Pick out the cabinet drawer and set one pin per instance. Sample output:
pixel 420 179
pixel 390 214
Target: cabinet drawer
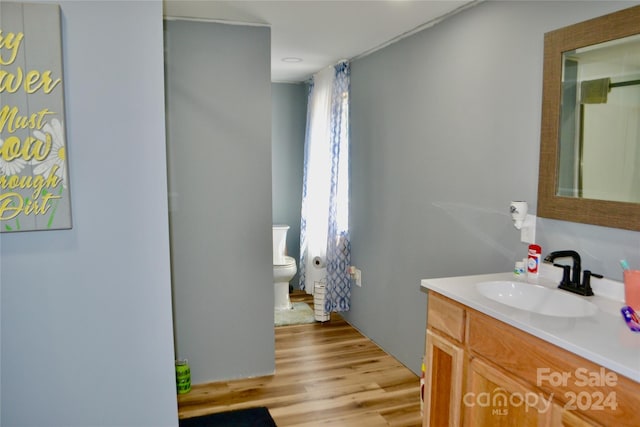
pixel 446 316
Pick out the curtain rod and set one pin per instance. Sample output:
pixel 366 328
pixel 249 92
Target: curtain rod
pixel 627 83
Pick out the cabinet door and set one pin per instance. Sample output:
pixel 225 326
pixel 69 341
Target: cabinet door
pixel 564 418
pixel 443 382
pixel 495 400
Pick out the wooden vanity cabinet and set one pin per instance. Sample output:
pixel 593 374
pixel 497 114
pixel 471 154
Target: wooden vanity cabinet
pixel 483 372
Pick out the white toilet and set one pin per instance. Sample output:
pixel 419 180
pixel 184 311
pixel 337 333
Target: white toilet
pixel 284 267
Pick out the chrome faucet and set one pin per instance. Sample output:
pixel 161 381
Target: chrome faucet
pixel 570 282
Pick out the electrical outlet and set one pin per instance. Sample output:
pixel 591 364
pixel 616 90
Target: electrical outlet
pixel 528 231
pixel 356 275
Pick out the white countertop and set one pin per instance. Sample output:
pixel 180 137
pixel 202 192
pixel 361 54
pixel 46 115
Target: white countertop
pixel 603 338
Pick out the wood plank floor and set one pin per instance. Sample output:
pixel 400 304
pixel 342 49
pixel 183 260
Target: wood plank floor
pixel 326 375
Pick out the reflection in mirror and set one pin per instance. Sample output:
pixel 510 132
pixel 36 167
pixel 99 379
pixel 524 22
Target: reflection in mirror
pixel 599 144
pixel 589 169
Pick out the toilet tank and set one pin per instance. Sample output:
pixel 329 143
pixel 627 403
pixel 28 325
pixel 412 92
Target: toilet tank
pixel 279 243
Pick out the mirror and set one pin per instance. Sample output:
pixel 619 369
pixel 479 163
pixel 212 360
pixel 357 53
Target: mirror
pixel 599 150
pixel 590 134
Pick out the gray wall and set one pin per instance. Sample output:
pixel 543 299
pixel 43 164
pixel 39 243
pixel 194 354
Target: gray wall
pixel 219 152
pixel 289 115
pixel 445 130
pixel 86 313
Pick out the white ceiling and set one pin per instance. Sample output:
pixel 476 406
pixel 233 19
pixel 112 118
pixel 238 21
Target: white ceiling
pixel 321 33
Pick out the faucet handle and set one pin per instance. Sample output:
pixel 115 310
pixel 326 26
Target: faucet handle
pixel 599 276
pixel 586 281
pixel 566 273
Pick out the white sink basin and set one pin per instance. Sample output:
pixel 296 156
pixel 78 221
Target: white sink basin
pixel 537 299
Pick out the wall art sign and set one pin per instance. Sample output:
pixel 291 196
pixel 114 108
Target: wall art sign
pixel 34 186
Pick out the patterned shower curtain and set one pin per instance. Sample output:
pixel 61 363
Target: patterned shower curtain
pixel 324 226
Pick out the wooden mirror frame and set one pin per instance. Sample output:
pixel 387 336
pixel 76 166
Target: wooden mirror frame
pixel 588 211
